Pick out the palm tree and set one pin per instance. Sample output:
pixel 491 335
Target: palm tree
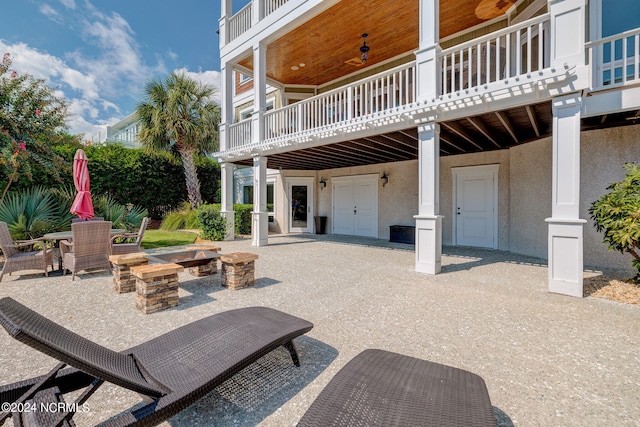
pixel 179 115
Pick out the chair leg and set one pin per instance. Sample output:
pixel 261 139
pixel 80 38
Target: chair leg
pixel 293 352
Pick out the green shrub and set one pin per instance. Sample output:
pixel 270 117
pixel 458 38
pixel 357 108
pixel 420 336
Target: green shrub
pixel 242 218
pixel 617 214
pixel 214 226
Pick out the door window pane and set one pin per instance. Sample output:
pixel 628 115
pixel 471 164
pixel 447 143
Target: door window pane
pixel 299 206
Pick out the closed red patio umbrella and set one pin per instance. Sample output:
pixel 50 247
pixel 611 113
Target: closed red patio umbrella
pixel 82 205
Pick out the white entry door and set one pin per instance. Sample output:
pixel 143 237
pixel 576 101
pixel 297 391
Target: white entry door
pixel 300 194
pixel 355 205
pixel 476 206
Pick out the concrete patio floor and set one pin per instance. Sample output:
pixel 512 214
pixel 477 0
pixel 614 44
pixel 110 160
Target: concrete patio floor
pixel 548 360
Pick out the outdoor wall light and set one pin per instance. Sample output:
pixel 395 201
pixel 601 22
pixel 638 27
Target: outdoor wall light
pixel 364 49
pixel 323 182
pixel 385 179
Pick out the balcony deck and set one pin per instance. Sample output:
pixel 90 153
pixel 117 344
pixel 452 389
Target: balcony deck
pixel 493 93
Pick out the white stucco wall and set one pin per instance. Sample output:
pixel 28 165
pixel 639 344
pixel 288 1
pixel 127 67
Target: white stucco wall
pixel 530 202
pixel 604 152
pixel 501 158
pixel 524 187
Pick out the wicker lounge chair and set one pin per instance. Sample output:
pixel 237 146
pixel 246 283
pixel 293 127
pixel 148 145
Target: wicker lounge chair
pixel 89 248
pixel 127 248
pixel 380 388
pixel 15 260
pixel 173 370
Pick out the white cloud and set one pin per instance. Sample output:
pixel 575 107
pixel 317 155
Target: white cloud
pixel 211 78
pixel 69 4
pixel 49 11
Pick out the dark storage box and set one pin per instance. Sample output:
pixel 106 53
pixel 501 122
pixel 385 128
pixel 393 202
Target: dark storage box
pixel 402 234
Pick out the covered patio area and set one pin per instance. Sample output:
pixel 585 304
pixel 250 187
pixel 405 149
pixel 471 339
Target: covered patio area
pixel 547 359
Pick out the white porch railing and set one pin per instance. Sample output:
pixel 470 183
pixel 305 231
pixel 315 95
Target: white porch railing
pixel 273 5
pixel 615 60
pixel 518 49
pixel 240 22
pixel 239 134
pixel 392 88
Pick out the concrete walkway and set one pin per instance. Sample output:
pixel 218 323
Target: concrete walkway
pixel 548 360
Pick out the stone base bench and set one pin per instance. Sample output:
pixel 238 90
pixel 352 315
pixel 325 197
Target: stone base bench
pixel 238 270
pixel 207 269
pixel 123 281
pixel 156 286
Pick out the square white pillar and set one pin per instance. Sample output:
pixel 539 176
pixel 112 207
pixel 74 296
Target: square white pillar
pixel 428 244
pixel 565 238
pixel 260 216
pixel 428 220
pixel 226 210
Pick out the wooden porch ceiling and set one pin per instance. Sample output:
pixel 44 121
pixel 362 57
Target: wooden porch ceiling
pixel 328 45
pixel 491 131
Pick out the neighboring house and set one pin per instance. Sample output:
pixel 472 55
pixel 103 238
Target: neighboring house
pixel 482 123
pixel 125 132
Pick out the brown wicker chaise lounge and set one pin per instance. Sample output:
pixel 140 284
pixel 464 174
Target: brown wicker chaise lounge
pixel 172 371
pixel 381 388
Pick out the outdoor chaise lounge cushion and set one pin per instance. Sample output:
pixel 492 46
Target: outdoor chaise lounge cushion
pixel 381 388
pixel 175 369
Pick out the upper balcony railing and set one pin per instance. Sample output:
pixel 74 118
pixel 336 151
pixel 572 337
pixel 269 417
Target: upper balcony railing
pixel 378 93
pixel 512 51
pixel 615 60
pixel 242 21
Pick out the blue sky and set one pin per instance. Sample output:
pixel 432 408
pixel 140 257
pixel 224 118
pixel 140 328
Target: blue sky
pixel 99 54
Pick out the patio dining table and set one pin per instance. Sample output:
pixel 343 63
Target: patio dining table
pixel 68 235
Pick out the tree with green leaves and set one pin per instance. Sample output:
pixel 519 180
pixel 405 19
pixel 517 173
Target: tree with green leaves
pixel 617 214
pixel 32 118
pixel 179 116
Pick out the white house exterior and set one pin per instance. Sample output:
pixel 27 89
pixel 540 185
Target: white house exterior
pixel 488 124
pixel 125 132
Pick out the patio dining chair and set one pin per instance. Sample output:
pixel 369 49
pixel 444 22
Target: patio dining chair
pixel 17 260
pixel 89 248
pixel 95 218
pixel 129 247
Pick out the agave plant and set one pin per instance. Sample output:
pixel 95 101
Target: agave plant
pixel 30 214
pixel 118 214
pixel 64 197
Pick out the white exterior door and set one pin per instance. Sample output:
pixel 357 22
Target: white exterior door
pixel 476 206
pixel 300 195
pixel 355 205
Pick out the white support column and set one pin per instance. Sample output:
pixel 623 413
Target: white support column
pixel 226 104
pixel 428 220
pixel 226 10
pixel 567 32
pixel 259 90
pixel 565 226
pixel 260 216
pixel 258 11
pixel 226 210
pixel 429 76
